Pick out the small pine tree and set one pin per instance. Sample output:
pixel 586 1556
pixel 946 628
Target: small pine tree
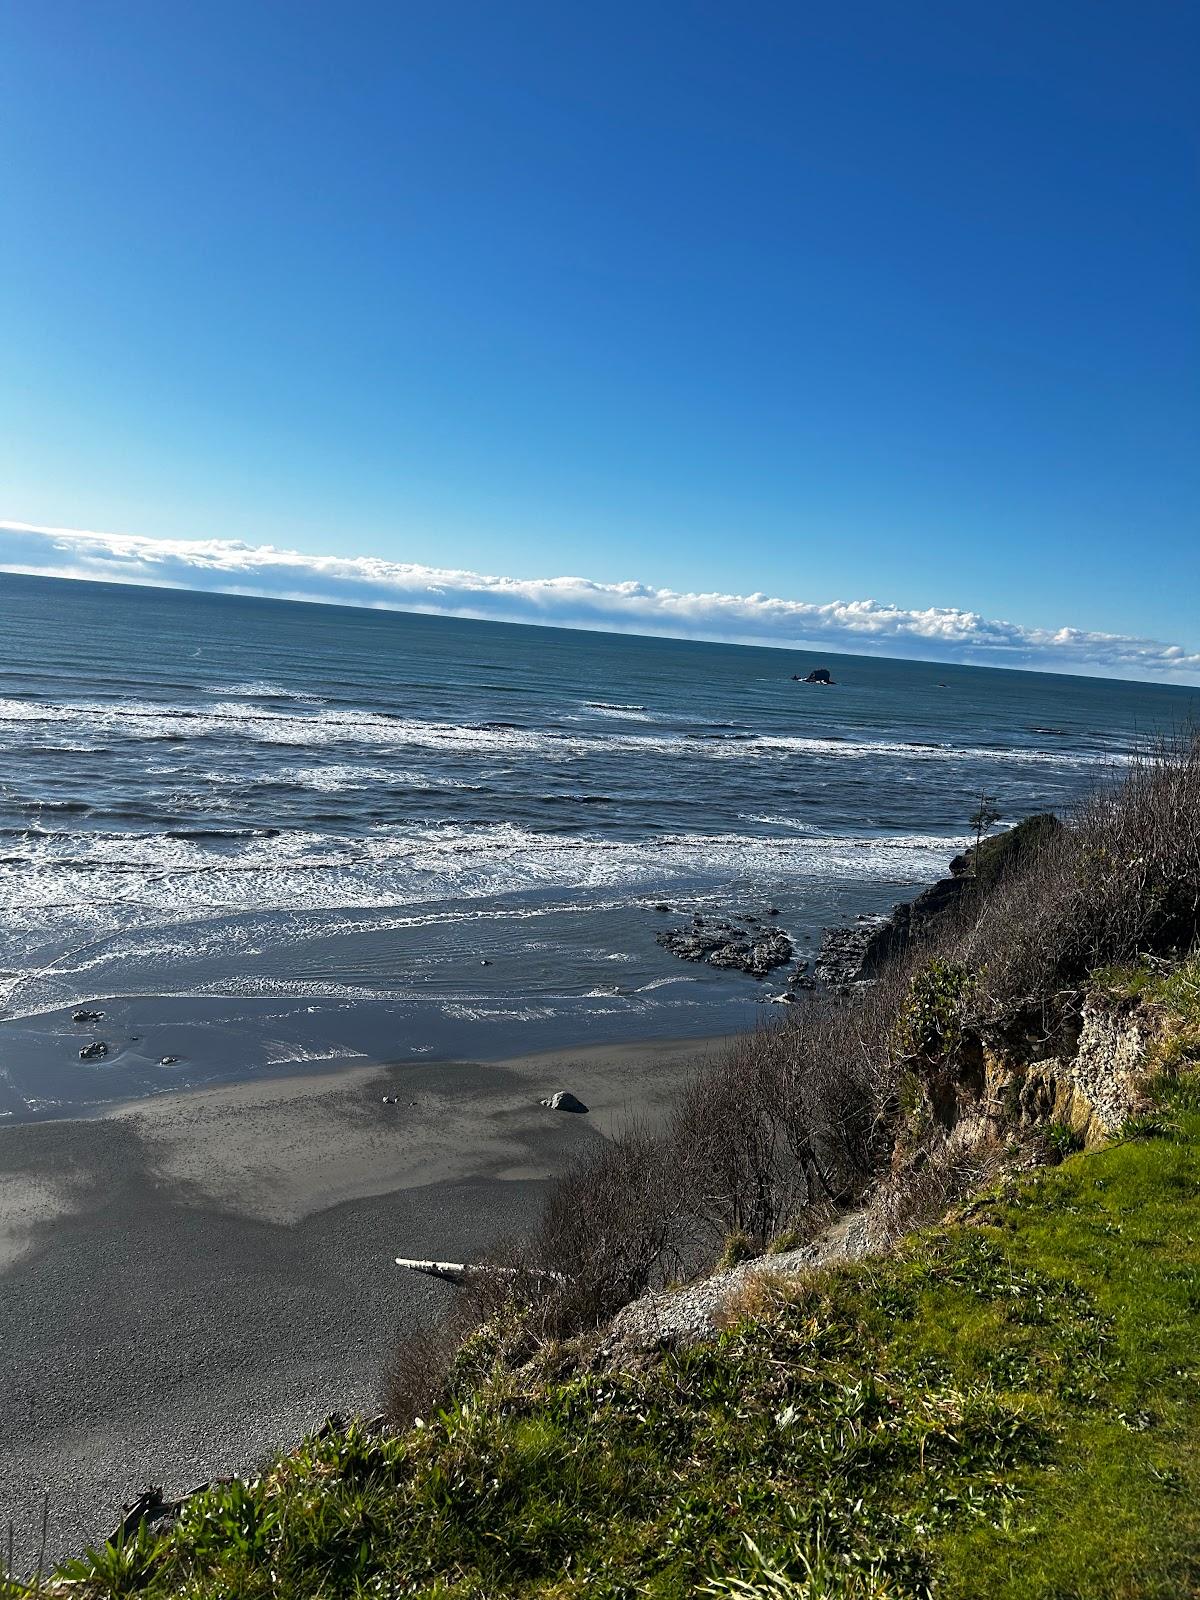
pixel 983 816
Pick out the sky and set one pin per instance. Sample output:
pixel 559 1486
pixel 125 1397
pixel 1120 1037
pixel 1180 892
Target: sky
pixel 876 321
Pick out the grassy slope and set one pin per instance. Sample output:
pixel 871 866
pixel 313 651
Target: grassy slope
pixel 1009 1407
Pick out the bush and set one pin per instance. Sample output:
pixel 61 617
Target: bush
pixel 938 1002
pixel 1121 881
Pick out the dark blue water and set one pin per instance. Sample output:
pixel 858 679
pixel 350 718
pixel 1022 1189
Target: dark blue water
pixel 260 832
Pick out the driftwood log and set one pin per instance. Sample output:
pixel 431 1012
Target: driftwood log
pixel 150 1506
pixel 457 1271
pixel 451 1271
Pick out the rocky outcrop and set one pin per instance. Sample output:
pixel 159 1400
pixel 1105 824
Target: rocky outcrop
pixel 817 675
pixel 843 951
pixel 1091 1089
pixel 1084 1075
pixel 737 945
pixel 856 953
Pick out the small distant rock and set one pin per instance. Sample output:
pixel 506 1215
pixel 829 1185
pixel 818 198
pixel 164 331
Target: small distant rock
pixel 563 1100
pixel 772 911
pixel 485 962
pixel 86 1016
pixel 167 1061
pixel 662 906
pixel 94 1052
pixel 820 675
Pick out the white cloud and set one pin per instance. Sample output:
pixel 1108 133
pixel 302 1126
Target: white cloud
pixel 936 633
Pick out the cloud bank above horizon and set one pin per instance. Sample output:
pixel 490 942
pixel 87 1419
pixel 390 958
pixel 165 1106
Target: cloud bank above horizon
pixel 866 627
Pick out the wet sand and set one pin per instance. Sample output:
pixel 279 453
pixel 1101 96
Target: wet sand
pixel 190 1282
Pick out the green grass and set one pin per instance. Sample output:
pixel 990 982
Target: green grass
pixel 1176 991
pixel 1006 1408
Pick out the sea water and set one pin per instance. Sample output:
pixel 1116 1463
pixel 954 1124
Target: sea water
pixel 257 833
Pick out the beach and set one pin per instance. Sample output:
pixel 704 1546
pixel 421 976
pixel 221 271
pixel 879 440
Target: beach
pixel 191 1281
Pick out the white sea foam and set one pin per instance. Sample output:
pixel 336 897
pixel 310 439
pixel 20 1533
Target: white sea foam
pixel 795 824
pixel 344 776
pixel 447 859
pixel 282 1052
pixel 168 903
pixel 260 689
pixel 330 726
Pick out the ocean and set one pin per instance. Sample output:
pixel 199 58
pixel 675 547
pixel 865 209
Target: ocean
pixel 259 834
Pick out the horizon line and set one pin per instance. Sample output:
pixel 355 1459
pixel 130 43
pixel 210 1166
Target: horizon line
pixel 863 628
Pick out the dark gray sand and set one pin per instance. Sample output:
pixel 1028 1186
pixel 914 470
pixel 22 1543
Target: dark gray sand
pixel 190 1282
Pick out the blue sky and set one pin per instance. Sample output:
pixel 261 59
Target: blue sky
pixel 827 303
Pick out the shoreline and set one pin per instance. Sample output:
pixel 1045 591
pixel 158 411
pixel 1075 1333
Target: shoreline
pixel 162 1046
pixel 195 1278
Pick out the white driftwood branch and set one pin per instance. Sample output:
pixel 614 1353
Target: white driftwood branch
pixel 456 1271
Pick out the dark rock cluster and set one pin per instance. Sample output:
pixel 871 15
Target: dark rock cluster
pixel 735 943
pixel 843 953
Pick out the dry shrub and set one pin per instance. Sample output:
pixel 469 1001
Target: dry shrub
pixel 782 1122
pixel 615 1224
pixel 924 1192
pixel 415 1380
pixel 439 1353
pixel 757 1296
pixel 1120 881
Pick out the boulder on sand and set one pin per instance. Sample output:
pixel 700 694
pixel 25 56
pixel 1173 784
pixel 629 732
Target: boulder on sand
pixel 563 1100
